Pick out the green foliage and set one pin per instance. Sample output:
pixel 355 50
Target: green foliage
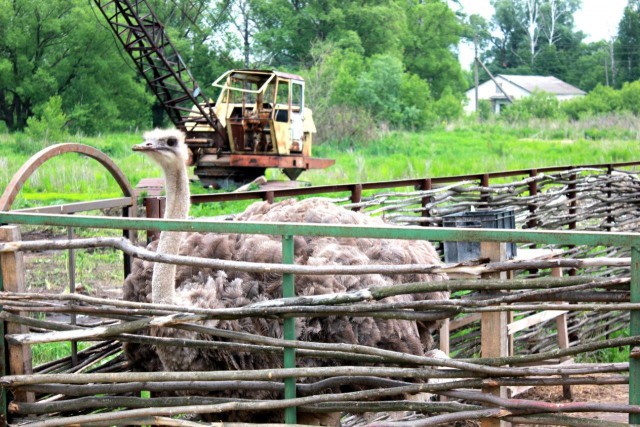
pixel 432 30
pixel 540 105
pixel 353 96
pixel 630 97
pixel 484 109
pixel 605 100
pixel 448 107
pixel 60 48
pixel 416 103
pixel 628 41
pixel 48 125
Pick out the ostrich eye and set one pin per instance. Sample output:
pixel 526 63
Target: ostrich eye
pixel 171 142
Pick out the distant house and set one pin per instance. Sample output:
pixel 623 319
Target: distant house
pixel 519 87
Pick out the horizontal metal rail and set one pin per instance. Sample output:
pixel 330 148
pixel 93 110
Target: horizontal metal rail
pixel 414 182
pixel 551 237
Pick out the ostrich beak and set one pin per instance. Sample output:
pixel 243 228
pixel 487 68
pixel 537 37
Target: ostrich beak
pixel 145 146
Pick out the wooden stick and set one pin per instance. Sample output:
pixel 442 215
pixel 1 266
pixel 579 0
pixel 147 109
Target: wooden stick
pixel 536 406
pixel 562 420
pixel 302 389
pixel 490 413
pixel 474 370
pixel 135 251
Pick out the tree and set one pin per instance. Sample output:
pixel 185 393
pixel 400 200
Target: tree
pixel 534 36
pixel 433 31
pixel 628 42
pixel 531 9
pixel 58 47
pixel 556 17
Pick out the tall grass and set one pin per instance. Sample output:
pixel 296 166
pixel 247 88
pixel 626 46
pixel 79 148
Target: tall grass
pixel 466 147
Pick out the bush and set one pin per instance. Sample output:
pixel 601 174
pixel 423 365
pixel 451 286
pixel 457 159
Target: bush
pixel 540 105
pixel 630 97
pixel 485 112
pixel 48 125
pixel 448 107
pixel 602 99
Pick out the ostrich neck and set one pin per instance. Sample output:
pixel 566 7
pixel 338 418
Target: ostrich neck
pixel 177 207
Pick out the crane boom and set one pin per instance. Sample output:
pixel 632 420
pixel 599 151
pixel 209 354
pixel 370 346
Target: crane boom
pixel 145 40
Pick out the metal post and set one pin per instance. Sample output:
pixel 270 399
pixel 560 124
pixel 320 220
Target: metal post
pixel 426 213
pixel 269 197
pixel 3 364
pixel 356 195
pixel 152 208
pixel 132 236
pixel 533 191
pixel 572 195
pixel 609 195
pixel 288 291
pixel 72 290
pixel 634 363
pixel 484 196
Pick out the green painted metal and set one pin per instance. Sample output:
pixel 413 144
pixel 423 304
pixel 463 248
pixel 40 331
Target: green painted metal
pixel 634 363
pixel 3 364
pixel 383 232
pixel 288 291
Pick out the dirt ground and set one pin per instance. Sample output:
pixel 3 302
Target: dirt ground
pixel 586 393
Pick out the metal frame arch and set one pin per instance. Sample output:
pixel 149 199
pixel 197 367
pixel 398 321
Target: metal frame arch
pixel 30 166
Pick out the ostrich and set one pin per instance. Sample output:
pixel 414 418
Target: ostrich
pixel 164 283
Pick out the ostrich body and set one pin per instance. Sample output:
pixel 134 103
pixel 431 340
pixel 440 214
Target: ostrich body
pixel 217 289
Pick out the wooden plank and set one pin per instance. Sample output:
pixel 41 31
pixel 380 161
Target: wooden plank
pixel 444 337
pixel 537 254
pixel 563 337
pixel 464 321
pixel 69 208
pixel 494 337
pixel 534 319
pixel 13 281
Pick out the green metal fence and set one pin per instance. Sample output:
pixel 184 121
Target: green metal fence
pixel 289 230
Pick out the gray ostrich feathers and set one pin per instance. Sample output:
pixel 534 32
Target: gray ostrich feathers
pixel 188 286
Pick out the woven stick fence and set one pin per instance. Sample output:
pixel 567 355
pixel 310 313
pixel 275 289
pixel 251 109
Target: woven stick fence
pixel 376 379
pixel 583 198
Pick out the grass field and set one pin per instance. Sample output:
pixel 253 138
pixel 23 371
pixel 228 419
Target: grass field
pixel 460 149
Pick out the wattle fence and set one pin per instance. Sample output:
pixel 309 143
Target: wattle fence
pixel 582 220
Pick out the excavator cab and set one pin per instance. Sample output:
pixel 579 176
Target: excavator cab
pixel 264 113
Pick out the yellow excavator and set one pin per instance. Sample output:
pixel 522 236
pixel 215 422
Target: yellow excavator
pixel 259 120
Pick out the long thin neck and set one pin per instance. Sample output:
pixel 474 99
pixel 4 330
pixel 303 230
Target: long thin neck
pixel 177 207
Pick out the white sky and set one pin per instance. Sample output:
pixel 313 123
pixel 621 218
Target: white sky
pixel 598 19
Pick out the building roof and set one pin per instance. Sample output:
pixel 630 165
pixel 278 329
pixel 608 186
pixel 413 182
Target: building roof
pixel 548 84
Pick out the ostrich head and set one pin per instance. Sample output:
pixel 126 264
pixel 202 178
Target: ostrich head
pixel 166 147
pixel 168 150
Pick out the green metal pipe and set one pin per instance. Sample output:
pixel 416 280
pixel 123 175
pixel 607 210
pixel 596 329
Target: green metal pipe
pixel 382 232
pixel 634 363
pixel 3 364
pixel 289 291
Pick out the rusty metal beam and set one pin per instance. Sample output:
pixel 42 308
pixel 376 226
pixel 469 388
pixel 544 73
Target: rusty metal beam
pixel 18 180
pixel 262 161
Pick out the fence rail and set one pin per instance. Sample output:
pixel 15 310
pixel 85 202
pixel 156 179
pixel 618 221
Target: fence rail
pixel 392 374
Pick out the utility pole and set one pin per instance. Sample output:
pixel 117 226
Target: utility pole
pixel 613 62
pixel 475 70
pixel 606 70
